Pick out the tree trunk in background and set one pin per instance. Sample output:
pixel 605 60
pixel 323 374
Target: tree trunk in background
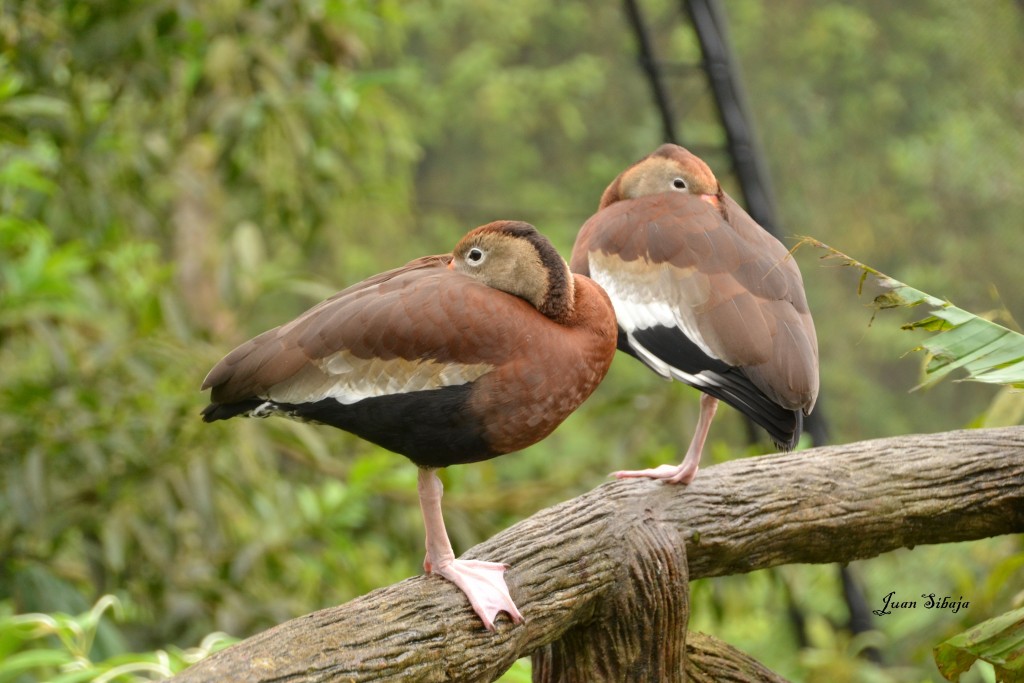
pixel 198 238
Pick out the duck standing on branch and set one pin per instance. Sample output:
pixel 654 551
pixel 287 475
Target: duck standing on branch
pixel 450 359
pixel 703 295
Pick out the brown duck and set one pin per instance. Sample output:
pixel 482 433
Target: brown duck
pixel 450 359
pixel 703 295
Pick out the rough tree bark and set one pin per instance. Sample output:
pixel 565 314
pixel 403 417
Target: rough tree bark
pixel 601 579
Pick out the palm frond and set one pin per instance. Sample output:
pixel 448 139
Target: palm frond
pixel 985 351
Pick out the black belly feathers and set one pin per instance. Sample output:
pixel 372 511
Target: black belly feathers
pixel 433 428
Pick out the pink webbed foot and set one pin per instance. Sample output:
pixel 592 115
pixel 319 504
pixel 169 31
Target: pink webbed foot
pixel 482 582
pixel 484 586
pixel 684 472
pixel 670 474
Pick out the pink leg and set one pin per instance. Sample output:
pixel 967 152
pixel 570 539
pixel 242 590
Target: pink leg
pixel 482 582
pixel 684 472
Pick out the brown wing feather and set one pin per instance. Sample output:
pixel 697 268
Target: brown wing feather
pixel 360 339
pixel 791 374
pixel 274 356
pixel 343 322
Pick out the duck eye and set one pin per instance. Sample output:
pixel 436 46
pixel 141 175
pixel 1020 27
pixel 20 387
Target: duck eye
pixel 679 184
pixel 475 256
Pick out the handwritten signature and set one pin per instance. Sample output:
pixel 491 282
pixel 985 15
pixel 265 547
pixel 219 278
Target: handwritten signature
pixel 929 601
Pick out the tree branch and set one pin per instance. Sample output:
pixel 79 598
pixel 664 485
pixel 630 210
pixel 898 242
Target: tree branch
pixel 833 504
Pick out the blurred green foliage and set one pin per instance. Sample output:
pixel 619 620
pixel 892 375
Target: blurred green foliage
pixel 57 648
pixel 176 177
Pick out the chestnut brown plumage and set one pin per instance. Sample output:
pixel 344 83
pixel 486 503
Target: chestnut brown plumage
pixel 703 295
pixel 449 359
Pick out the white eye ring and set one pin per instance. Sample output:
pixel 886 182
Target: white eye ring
pixel 475 256
pixel 679 184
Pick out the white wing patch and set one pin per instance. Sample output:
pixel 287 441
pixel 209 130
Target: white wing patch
pixel 349 379
pixel 647 295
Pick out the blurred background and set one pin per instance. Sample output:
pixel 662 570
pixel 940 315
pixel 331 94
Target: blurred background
pixel 177 176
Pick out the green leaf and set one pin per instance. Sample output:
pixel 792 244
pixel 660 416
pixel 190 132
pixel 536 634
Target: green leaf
pixel 17 664
pixel 999 641
pixel 983 350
